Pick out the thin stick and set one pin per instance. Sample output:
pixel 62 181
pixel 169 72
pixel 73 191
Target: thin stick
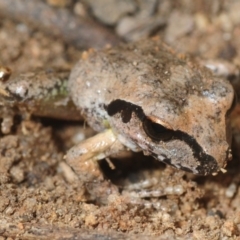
pixel 82 33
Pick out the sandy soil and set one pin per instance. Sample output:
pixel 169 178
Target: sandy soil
pixel 40 197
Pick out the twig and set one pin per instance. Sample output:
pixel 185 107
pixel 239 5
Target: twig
pixel 82 33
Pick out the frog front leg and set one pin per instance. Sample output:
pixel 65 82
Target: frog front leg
pixel 83 160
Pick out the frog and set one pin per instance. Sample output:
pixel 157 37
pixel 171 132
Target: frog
pixel 142 97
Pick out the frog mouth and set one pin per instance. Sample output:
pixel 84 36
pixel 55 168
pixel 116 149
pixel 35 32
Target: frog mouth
pixel 205 163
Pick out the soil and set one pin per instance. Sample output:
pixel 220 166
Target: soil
pixel 40 197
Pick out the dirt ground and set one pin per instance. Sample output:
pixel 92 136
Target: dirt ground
pixel 39 196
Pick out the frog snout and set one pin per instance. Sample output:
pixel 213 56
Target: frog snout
pixel 216 159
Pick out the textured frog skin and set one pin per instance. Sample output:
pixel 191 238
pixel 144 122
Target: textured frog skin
pixel 157 103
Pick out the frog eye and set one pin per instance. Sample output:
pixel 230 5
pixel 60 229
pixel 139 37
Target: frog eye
pixel 156 131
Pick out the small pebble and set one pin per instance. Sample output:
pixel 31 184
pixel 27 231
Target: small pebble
pixel 231 190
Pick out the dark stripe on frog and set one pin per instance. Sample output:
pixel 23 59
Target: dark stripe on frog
pixel 208 164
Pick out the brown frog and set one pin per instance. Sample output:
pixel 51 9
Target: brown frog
pixel 143 97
